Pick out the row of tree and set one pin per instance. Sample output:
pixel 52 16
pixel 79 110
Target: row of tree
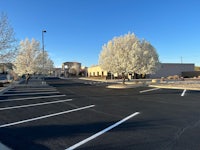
pixel 27 57
pixel 124 54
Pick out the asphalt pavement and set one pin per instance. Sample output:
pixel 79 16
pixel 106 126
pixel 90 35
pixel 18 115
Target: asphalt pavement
pixel 74 114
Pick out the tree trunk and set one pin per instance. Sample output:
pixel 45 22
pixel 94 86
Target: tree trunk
pixel 123 77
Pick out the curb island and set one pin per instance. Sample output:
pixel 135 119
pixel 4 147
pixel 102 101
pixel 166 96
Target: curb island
pixel 126 86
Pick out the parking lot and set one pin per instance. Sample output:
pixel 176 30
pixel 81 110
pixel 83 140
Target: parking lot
pixel 75 114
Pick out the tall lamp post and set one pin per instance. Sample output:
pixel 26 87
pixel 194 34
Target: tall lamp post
pixel 43 31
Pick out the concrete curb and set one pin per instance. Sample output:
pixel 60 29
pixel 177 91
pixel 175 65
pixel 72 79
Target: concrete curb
pixel 5 89
pixel 10 86
pixel 129 85
pixel 126 86
pixel 175 87
pixel 32 83
pixel 101 80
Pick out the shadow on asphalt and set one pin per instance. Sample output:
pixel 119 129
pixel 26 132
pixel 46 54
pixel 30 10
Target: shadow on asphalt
pixel 29 137
pixel 68 84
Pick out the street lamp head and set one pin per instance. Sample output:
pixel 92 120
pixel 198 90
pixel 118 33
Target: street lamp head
pixel 44 31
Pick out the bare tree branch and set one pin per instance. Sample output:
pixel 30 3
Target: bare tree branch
pixel 7 40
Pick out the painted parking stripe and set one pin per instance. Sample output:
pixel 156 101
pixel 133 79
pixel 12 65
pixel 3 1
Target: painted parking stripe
pixel 154 89
pixel 21 94
pixel 183 92
pixel 30 98
pixel 31 85
pixel 102 131
pixel 32 105
pixel 46 116
pixel 4 147
pixel 30 90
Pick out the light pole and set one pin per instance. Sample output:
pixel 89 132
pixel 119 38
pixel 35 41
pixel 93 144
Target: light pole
pixel 43 31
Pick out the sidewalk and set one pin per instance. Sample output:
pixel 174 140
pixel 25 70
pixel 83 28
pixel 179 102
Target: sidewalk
pixel 5 88
pixel 33 82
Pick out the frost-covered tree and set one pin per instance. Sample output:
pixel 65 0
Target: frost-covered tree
pixel 25 60
pixel 129 54
pixel 150 60
pixel 7 40
pixel 48 63
pixel 49 66
pixel 30 59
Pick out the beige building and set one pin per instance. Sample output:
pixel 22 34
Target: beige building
pixel 96 71
pixel 167 69
pixel 170 69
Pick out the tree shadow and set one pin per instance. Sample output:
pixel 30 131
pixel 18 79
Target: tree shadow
pixel 68 84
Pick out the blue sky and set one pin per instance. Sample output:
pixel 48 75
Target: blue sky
pixel 77 29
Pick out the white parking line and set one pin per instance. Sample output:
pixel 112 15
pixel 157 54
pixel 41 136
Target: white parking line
pixel 183 92
pixel 46 116
pixel 102 132
pixel 149 90
pixel 20 94
pixel 4 147
pixel 38 104
pixel 30 90
pixel 31 85
pixel 30 98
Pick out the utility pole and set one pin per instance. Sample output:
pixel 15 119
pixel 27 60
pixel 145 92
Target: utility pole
pixel 43 31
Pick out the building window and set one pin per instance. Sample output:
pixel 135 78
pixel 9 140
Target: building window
pixel 97 73
pixel 102 73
